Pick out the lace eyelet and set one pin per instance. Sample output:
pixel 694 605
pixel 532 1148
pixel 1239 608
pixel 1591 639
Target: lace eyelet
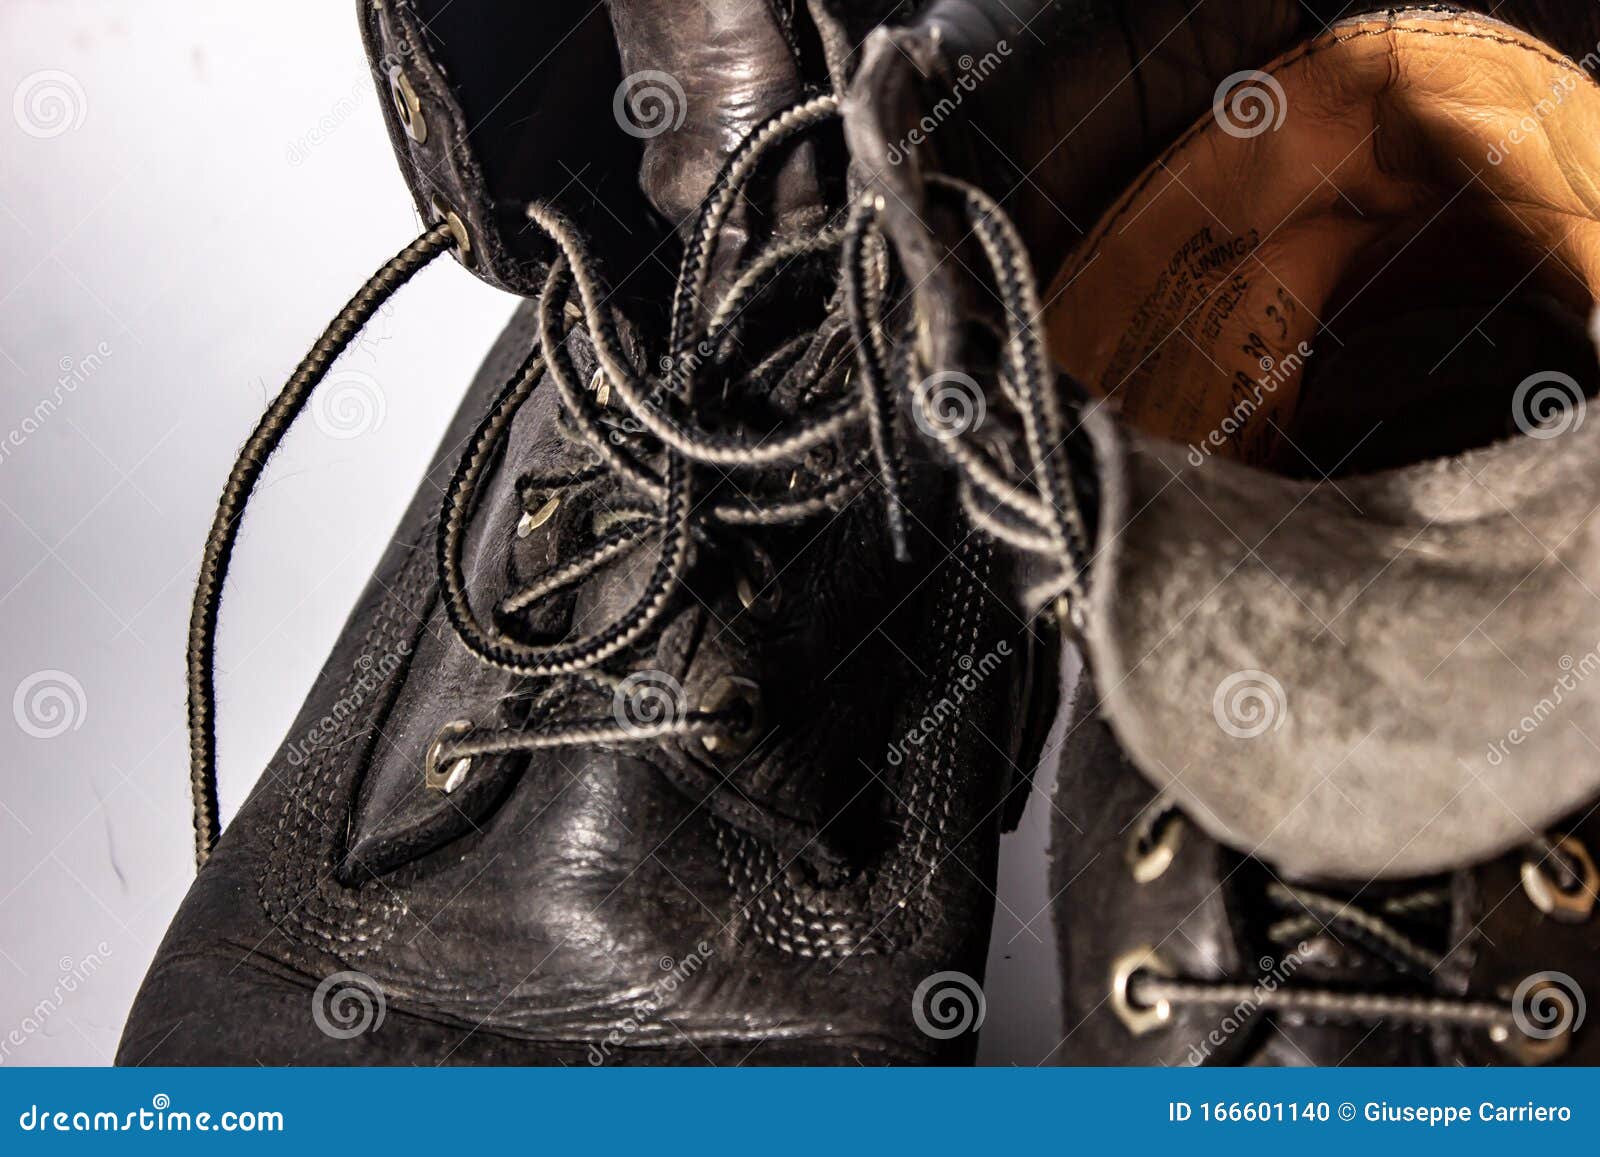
pixel 1155 843
pixel 446 779
pixel 458 233
pixel 407 105
pixel 1138 1019
pixel 1562 902
pixel 532 520
pixel 727 693
pixel 1528 1040
pixel 757 585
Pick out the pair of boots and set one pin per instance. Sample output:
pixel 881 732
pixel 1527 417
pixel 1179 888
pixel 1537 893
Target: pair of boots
pixel 1185 401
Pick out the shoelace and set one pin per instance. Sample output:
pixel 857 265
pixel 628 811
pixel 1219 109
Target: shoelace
pixel 659 462
pixel 1148 988
pixel 1374 931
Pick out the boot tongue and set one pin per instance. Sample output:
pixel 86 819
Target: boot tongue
pixel 698 78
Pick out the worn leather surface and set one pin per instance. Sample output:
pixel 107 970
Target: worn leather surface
pixel 515 106
pixel 618 114
pixel 537 923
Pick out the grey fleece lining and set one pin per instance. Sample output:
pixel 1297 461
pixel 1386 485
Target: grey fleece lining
pixel 1370 677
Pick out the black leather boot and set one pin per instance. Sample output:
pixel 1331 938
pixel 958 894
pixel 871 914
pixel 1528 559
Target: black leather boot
pixel 1293 443
pixel 680 722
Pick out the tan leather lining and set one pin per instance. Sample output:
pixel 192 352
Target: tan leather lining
pixel 1415 154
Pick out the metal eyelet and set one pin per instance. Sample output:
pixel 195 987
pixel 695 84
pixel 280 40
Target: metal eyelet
pixel 1538 995
pixel 458 232
pixel 446 779
pixel 1558 900
pixel 727 692
pixel 757 585
pixel 532 520
pixel 1155 843
pixel 1527 1050
pixel 407 106
pixel 1138 1018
